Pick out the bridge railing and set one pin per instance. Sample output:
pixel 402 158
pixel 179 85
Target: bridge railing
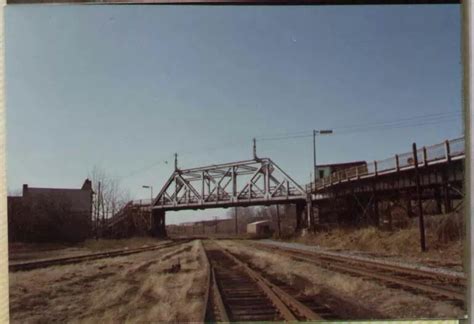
pixel 425 155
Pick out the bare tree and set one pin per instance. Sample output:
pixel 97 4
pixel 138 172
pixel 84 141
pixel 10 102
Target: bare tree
pixel 109 197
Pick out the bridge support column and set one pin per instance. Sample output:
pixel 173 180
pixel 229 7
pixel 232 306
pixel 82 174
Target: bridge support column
pixel 158 227
pixel 409 208
pixel 300 208
pixel 446 192
pixel 439 204
pixel 310 213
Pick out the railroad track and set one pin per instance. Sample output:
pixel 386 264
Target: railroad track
pixel 240 293
pixel 23 266
pixel 429 283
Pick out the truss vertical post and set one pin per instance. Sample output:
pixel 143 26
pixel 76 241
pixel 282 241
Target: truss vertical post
pixel 175 189
pixel 234 184
pixel 420 205
pixel 203 188
pixel 208 186
pixel 265 177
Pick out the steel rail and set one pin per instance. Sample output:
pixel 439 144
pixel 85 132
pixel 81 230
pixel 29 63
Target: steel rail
pixel 282 296
pixel 251 287
pixel 384 266
pixel 342 265
pixel 276 300
pixel 288 306
pixel 208 280
pixel 217 299
pixel 87 257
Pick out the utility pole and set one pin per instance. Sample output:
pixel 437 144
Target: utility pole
pixel 97 212
pixel 254 149
pixel 320 132
pixel 102 223
pixel 176 161
pixel 420 205
pixel 314 157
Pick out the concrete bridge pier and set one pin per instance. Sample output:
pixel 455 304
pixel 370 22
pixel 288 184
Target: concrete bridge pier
pixel 305 215
pixel 311 221
pixel 300 213
pixel 158 226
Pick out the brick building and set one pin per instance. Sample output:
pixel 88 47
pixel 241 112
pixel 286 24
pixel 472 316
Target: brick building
pixel 51 214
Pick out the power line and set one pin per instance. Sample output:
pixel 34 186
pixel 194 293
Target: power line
pixel 209 149
pixel 395 126
pixel 405 119
pixel 412 118
pixel 403 122
pixel 146 168
pixel 406 122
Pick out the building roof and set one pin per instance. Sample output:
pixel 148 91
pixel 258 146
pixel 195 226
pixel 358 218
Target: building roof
pixel 345 164
pixel 79 200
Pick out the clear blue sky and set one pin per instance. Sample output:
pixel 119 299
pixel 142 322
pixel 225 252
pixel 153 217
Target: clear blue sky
pixel 124 87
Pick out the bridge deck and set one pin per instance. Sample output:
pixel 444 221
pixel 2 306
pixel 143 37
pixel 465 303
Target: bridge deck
pixel 436 155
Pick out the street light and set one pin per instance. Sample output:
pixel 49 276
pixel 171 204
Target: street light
pixel 151 193
pixel 320 132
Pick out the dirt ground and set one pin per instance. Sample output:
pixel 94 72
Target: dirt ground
pixel 354 293
pixel 135 288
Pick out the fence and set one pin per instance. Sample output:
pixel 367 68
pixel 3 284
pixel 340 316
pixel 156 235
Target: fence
pixel 425 155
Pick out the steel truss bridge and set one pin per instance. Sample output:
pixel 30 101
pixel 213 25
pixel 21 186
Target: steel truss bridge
pixel 253 182
pixel 348 195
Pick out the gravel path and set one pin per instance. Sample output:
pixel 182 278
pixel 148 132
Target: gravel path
pixel 356 256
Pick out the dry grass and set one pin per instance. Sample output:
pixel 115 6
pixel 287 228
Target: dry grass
pixel 444 240
pixel 104 244
pixel 390 302
pixel 136 288
pixel 24 251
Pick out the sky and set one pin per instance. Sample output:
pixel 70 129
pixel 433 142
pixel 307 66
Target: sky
pixel 125 87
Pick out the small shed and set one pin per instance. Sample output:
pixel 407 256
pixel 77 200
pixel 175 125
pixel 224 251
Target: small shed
pixel 260 228
pixel 325 170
